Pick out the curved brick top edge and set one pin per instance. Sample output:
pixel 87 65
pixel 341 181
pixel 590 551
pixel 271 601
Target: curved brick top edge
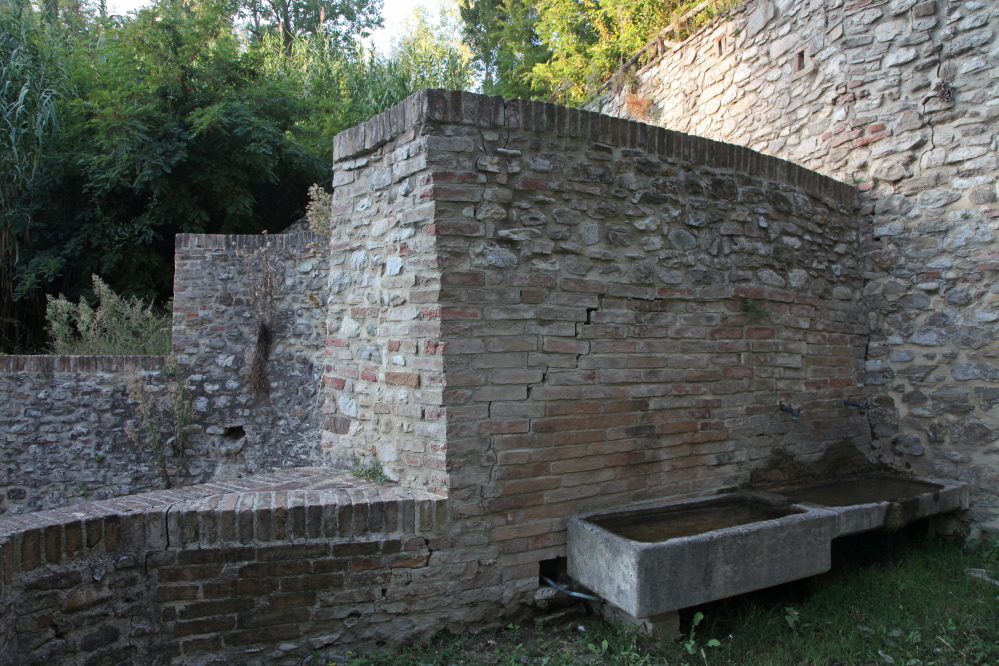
pixel 485 111
pixel 263 510
pixel 231 243
pixel 57 363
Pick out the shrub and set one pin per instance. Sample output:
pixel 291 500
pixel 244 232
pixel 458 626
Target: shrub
pixel 119 326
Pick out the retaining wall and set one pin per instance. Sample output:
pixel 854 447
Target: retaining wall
pixel 899 97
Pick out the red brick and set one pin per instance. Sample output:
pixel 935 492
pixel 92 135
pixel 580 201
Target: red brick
pixel 402 378
pixel 261 569
pixel 203 626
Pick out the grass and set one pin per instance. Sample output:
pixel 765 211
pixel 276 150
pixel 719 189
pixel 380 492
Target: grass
pixel 890 600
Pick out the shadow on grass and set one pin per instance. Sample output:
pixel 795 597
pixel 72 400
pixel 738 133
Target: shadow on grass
pixel 890 599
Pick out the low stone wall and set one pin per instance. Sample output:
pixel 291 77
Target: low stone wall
pixel 267 570
pixel 71 425
pixel 64 421
pixel 214 335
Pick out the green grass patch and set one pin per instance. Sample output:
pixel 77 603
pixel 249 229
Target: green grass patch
pixel 890 600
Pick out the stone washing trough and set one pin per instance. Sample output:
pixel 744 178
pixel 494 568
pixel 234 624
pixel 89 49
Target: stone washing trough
pixel 874 501
pixel 650 560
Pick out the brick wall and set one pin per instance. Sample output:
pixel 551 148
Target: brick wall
pixel 262 571
pixel 901 98
pixel 620 310
pixel 384 371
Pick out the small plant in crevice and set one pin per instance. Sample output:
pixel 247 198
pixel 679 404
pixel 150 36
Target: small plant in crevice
pixel 162 411
pixel 373 472
pixel 638 107
pixel 262 283
pixel 150 410
pixel 756 310
pixel 945 91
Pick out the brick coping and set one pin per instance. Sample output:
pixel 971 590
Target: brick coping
pixel 287 506
pixel 49 363
pixel 231 243
pixel 494 112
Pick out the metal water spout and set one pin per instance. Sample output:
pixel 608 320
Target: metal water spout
pixel 862 406
pixel 795 413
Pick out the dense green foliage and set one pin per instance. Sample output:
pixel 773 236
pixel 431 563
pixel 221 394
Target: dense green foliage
pixel 217 116
pixel 120 132
pixel 563 50
pixel 891 600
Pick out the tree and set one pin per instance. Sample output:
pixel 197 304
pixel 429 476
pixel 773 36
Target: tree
pixel 340 20
pixel 175 126
pixel 32 81
pixel 590 39
pixel 434 56
pixel 505 45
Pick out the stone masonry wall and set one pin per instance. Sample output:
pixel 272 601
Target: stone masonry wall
pixel 215 332
pixel 67 420
pixel 383 367
pixel 620 310
pixel 902 98
pixel 64 426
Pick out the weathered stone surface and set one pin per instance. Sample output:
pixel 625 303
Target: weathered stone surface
pixel 889 75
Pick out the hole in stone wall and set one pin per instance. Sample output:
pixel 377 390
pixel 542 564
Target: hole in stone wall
pixel 556 569
pixel 233 433
pixel 720 46
pixel 800 62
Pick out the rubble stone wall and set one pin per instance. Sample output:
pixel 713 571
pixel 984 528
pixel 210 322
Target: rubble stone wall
pixel 64 425
pixel 215 328
pixel 620 307
pixel 71 427
pixel 900 97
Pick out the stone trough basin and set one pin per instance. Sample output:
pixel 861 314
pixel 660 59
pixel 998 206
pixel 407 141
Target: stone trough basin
pixel 652 559
pixel 658 558
pixel 879 501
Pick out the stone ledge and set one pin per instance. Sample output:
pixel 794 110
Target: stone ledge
pixel 484 111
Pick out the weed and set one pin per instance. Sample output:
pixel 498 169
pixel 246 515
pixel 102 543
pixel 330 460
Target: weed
pixel 161 410
pixel 319 210
pixel 118 326
pixel 913 605
pixel 690 645
pixel 98 458
pixel 372 472
pixel 262 283
pixel 756 310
